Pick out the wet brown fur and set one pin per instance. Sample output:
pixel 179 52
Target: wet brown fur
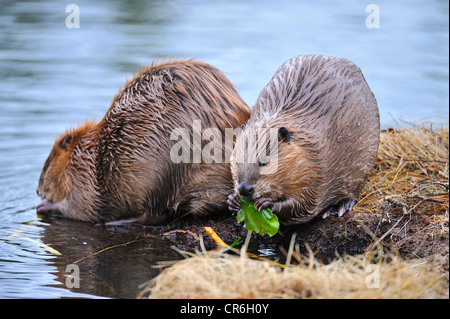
pixel 120 167
pixel 333 120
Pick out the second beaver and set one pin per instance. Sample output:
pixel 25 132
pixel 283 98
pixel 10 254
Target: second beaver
pixel 121 168
pixel 327 127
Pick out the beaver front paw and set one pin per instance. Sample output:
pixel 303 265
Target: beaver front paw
pixel 233 202
pixel 263 203
pixel 344 207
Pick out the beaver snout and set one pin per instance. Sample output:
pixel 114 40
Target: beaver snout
pixel 41 192
pixel 47 207
pixel 246 190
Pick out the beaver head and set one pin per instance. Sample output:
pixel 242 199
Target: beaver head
pixel 276 166
pixel 53 182
pixel 68 172
pixel 261 162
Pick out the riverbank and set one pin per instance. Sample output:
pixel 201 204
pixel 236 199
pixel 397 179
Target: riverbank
pixel 394 244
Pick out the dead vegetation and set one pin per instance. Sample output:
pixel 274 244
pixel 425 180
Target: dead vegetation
pixel 401 220
pixel 407 196
pixel 219 275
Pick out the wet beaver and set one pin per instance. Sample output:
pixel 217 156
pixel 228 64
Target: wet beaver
pixel 121 168
pixel 326 124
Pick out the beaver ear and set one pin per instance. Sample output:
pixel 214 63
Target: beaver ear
pixel 284 135
pixel 66 140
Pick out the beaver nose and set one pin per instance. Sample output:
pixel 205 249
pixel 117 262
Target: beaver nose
pixel 246 190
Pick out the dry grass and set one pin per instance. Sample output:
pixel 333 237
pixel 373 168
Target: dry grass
pixel 409 189
pixel 219 275
pixel 404 206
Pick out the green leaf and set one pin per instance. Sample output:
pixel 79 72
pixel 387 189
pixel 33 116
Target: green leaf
pixel 263 222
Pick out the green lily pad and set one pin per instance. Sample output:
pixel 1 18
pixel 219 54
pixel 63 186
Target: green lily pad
pixel 263 222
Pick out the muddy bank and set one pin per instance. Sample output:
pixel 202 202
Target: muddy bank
pixel 404 205
pixel 324 236
pixel 402 214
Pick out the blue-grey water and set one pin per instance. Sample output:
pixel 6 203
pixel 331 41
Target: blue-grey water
pixel 53 77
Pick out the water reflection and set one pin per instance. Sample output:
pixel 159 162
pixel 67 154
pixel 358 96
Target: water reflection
pixel 27 270
pixel 113 262
pixel 52 77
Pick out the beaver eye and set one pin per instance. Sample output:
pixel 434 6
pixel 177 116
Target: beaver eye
pixel 263 162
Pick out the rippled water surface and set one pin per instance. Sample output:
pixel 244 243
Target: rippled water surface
pixel 53 77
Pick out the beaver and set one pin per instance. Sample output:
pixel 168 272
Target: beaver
pixel 326 128
pixel 120 169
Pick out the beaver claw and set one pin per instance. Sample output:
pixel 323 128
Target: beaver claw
pixel 233 202
pixel 263 203
pixel 341 210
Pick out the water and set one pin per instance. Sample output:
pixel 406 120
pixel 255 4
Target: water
pixel 53 77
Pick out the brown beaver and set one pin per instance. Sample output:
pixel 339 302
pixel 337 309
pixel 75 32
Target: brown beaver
pixel 121 167
pixel 327 129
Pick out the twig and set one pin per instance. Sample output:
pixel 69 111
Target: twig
pixel 395 225
pixel 440 184
pixel 427 199
pixel 396 202
pixel 48 248
pixel 215 237
pixel 107 248
pixel 18 232
pixel 194 235
pixel 291 249
pixel 383 212
pixel 296 254
pixel 410 160
pixel 369 232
